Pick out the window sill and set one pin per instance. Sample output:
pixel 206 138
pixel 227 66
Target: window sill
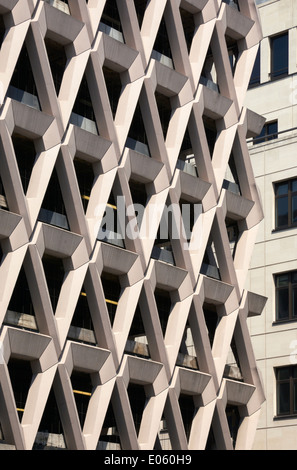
pixel 281 322
pixel 264 140
pixel 281 229
pixel 278 77
pixel 281 417
pixel 270 80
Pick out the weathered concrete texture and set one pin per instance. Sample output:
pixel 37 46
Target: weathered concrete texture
pixel 190 358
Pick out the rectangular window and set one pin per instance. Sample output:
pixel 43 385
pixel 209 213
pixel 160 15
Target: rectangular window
pixel 269 132
pixel 279 56
pixel 286 296
pixel 286 386
pixel 286 204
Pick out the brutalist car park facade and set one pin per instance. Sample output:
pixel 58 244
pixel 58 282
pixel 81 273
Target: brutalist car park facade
pixel 129 212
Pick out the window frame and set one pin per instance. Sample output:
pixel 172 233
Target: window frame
pixel 291 381
pixel 283 72
pixel 266 135
pixel 290 194
pixel 290 287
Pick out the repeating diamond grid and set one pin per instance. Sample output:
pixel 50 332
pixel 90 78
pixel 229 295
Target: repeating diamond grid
pixel 128 343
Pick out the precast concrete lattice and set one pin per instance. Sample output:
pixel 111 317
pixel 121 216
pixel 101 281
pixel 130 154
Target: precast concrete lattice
pixel 113 337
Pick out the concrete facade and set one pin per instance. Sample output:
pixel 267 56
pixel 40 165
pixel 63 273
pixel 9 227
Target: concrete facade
pixel 132 342
pixel 274 161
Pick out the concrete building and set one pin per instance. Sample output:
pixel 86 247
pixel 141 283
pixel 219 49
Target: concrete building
pixel 113 334
pixel 273 94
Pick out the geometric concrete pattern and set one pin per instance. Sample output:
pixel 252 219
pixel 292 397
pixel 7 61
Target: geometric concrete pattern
pixel 138 341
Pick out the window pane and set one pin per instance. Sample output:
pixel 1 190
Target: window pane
pixel 294 209
pixel 282 280
pixel 282 218
pixel 294 185
pixel 261 137
pixel 282 304
pixel 272 130
pixel 282 188
pixel 255 77
pixel 295 398
pixel 283 398
pixel 294 302
pixel 279 51
pixel 283 373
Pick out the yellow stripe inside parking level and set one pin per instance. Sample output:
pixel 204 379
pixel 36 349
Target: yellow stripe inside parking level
pixel 113 302
pixel 80 392
pixel 87 198
pixel 112 206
